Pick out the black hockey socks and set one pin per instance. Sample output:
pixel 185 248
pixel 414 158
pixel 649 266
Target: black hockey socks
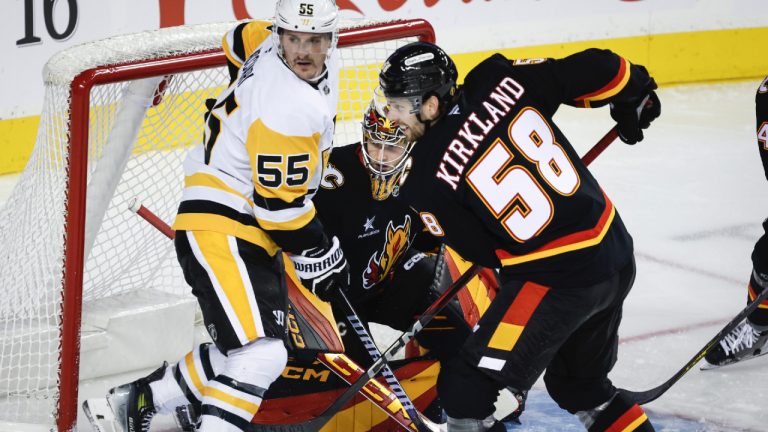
pixel 620 414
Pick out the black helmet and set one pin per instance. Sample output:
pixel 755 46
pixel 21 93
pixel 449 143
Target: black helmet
pixel 419 70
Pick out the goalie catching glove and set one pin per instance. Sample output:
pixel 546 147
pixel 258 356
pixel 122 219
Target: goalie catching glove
pixel 631 117
pixel 323 269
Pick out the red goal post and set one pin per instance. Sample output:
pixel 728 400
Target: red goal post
pixel 88 214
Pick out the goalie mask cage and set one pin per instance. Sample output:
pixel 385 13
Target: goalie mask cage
pixel 118 117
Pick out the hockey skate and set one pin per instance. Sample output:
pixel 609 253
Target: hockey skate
pixel 132 403
pixel 742 343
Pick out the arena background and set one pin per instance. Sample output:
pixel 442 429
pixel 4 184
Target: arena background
pixel 680 42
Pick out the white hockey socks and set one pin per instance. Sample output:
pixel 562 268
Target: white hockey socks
pixel 166 393
pixel 234 395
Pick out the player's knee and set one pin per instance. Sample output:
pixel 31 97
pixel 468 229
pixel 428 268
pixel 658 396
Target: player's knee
pixel 465 392
pixel 247 374
pixel 578 394
pixel 619 413
pixel 259 362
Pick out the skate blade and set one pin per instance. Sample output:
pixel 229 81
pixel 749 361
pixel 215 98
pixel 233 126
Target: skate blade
pixel 100 415
pixel 709 366
pixel 432 426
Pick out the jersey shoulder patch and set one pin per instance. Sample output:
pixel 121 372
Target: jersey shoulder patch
pixel 240 42
pixel 528 61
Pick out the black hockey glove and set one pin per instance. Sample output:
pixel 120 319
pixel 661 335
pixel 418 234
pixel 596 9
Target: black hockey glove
pixel 631 119
pixel 323 269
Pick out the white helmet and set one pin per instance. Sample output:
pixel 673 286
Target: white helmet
pixel 309 16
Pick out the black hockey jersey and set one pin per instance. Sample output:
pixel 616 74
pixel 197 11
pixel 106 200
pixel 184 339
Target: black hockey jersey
pixel 498 180
pixel 374 235
pixel 761 108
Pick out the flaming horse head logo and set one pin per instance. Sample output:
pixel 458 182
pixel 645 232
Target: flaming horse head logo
pixel 380 264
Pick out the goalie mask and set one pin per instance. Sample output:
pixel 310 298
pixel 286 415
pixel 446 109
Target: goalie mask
pixel 307 16
pixel 386 151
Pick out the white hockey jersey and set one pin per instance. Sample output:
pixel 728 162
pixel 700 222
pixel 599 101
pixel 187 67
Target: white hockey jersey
pixel 266 143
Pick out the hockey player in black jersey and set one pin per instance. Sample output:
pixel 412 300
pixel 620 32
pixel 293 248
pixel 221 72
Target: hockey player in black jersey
pixel 495 178
pixel 385 241
pixel 750 339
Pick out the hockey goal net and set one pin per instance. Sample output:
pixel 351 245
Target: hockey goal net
pixel 118 117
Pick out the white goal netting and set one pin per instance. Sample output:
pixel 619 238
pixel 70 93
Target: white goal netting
pixel 138 130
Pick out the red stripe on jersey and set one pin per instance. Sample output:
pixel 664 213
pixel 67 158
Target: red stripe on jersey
pixel 753 295
pixel 613 87
pixel 573 241
pixel 526 302
pixel 629 421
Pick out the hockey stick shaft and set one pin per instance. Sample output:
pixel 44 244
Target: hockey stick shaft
pixel 601 145
pixel 644 397
pixel 341 365
pixel 373 350
pixel 152 218
pixel 403 340
pixel 377 393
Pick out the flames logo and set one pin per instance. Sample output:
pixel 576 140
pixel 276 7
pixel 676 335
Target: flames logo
pixel 379 265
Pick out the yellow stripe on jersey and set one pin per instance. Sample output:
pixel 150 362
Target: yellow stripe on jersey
pixel 232 400
pixel 505 337
pixel 253 34
pixel 219 256
pixel 548 252
pixel 289 225
pixel 224 225
pixel 612 88
pixel 211 181
pixel 262 140
pixel 189 361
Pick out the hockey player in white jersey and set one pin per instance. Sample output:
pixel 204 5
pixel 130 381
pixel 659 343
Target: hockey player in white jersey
pixel 248 194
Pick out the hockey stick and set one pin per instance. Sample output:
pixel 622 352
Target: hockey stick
pixel 601 145
pixel 318 422
pixel 386 371
pixel 341 365
pixel 643 397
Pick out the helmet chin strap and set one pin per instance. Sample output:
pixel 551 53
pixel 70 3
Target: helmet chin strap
pixel 428 124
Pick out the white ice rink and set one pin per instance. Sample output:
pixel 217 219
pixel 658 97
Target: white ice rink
pixel 693 195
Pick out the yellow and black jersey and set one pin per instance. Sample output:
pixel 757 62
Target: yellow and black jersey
pixel 267 138
pixel 500 183
pixel 240 42
pixel 761 108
